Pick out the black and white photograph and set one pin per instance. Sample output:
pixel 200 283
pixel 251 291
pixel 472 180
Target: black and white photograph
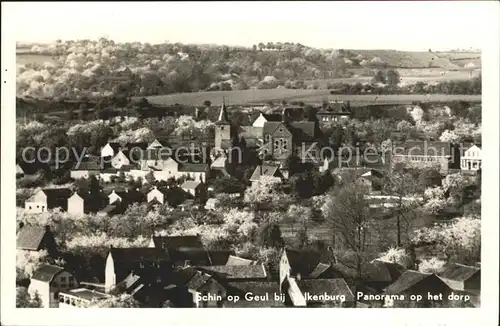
pixel 250 155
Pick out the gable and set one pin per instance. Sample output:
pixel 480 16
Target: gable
pixel 281 131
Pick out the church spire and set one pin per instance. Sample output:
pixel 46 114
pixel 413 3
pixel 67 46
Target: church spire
pixel 223 116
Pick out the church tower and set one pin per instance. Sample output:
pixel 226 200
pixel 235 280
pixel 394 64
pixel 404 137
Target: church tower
pixel 223 130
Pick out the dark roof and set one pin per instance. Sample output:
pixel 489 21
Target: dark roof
pixel 176 242
pixel 258 288
pixel 271 126
pixel 223 117
pixel 32 168
pixel 46 273
pixel 407 280
pixel 272 116
pixel 231 272
pixel 423 148
pixel 193 167
pixel 30 237
pixel 459 272
pixel 87 166
pixel 303 262
pixel 307 129
pixel 334 286
pixel 138 254
pixel 57 193
pixel 190 256
pixel 380 271
pixel 130 196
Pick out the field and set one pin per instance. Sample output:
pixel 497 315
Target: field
pixel 308 96
pixel 25 58
pixel 408 76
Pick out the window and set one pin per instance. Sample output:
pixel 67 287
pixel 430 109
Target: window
pixel 56 295
pixel 281 129
pixel 37 206
pixel 158 280
pixel 141 264
pixel 29 207
pixel 221 127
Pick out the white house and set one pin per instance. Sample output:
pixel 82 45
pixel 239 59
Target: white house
pixel 114 197
pixel 263 118
pixel 47 281
pixel 157 195
pixel 172 169
pixel 119 160
pixel 47 198
pixel 76 204
pixel 471 161
pixel 110 149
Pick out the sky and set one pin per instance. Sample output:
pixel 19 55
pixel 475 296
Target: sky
pixel 417 26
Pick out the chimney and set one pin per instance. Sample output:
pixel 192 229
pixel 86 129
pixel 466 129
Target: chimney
pixel 196 113
pixel 260 168
pixel 47 228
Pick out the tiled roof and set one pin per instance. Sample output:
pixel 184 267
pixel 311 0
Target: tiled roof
pixel 32 168
pixel 46 273
pixel 87 166
pixel 238 261
pixel 198 280
pixel 407 280
pixel 380 271
pixel 320 269
pixel 459 272
pixel 335 286
pixel 232 272
pixel 30 237
pixel 266 170
pixel 176 242
pixel 193 167
pixel 189 184
pixel 271 126
pixel 138 254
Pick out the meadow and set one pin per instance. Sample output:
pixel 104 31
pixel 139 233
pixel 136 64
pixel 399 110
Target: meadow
pixel 25 57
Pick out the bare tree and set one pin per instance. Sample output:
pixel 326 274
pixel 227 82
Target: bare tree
pixel 403 186
pixel 347 212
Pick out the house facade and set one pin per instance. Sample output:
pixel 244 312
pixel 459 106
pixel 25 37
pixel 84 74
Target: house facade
pixel 48 198
pixel 157 195
pixel 76 205
pixel 472 159
pixel 48 281
pixel 423 154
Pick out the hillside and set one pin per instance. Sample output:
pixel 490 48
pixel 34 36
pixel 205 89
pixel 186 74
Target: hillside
pixel 74 69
